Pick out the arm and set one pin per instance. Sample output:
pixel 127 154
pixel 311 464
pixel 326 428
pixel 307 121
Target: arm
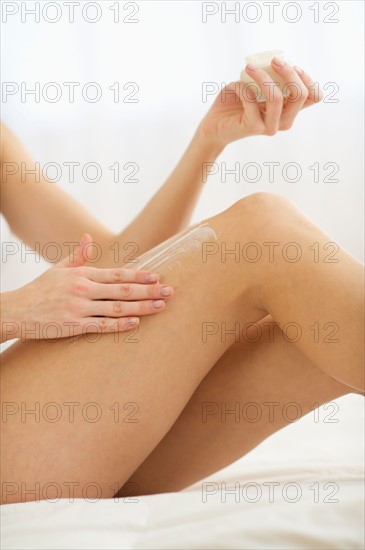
pixel 83 291
pixel 39 212
pixel 81 300
pixel 171 207
pixel 234 115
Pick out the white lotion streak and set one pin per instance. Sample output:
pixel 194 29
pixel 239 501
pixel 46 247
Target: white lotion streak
pixel 172 252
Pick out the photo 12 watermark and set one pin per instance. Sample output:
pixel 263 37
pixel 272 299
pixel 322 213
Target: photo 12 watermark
pixel 252 412
pixel 291 91
pixel 271 172
pixel 116 252
pixel 324 332
pixel 69 92
pixel 70 412
pixel 270 12
pixel 270 492
pixel 269 252
pixel 71 171
pixel 123 328
pixel 70 11
pixel 72 491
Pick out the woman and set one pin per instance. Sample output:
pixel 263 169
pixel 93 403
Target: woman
pixel 145 412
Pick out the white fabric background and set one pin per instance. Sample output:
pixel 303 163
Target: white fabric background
pixel 169 53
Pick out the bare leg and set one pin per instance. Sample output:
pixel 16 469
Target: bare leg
pixel 258 386
pixel 163 370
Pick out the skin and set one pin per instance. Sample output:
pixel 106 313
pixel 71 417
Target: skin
pixel 160 379
pixel 270 370
pixel 167 384
pixel 81 297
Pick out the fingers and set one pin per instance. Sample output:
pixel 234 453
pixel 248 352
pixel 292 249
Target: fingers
pixel 252 112
pixel 119 275
pixel 130 292
pixel 297 89
pixel 248 101
pixel 273 95
pixel 303 92
pixel 79 257
pixel 125 309
pixel 315 94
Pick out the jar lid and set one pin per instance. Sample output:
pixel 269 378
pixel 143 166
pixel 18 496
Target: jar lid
pixel 262 59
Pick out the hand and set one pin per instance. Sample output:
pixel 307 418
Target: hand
pixel 71 299
pixel 235 114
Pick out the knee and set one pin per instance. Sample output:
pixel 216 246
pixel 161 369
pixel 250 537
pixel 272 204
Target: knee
pixel 264 211
pixel 263 204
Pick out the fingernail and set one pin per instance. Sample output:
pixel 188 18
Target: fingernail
pixel 298 69
pixel 166 291
pixel 134 320
pixel 250 67
pixel 158 304
pixel 152 277
pixel 278 62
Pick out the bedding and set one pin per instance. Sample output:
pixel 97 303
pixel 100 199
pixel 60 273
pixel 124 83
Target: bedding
pixel 302 488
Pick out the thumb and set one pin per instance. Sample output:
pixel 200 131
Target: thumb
pixel 79 256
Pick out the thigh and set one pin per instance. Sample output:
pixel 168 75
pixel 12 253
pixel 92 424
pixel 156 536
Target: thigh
pixel 260 385
pixel 80 414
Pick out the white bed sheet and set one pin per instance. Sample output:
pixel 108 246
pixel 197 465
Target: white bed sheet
pixel 309 454
pixel 183 520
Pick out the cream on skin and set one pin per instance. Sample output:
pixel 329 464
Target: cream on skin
pixel 171 371
pixel 171 252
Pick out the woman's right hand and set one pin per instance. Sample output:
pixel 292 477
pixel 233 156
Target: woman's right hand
pixel 235 114
pixel 70 299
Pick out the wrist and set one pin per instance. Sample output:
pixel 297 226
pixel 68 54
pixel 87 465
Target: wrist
pixel 208 148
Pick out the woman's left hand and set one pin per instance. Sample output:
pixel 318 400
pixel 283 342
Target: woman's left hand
pixel 236 114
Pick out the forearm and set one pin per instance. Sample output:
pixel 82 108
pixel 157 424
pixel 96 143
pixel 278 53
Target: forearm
pixel 38 211
pixel 61 220
pixel 171 207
